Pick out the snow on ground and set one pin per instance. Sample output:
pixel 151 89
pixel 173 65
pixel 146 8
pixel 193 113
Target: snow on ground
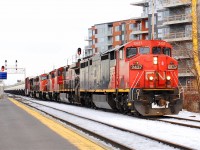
pixel 189 137
pixel 188 115
pixel 134 141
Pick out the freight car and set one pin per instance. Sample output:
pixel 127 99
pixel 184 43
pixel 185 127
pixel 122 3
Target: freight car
pixel 139 77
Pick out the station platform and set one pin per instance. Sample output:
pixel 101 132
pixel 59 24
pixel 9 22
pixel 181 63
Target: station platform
pixel 21 130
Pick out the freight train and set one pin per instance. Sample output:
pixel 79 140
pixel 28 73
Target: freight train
pixel 139 77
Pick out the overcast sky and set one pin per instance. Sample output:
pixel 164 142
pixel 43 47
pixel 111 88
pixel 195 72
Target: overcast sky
pixel 43 34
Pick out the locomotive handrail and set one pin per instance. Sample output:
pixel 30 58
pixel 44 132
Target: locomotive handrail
pixel 181 89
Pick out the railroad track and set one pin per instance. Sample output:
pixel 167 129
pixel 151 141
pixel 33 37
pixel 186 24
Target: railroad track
pixel 191 123
pixel 103 138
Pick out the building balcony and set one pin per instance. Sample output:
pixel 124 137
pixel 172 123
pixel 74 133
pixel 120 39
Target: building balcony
pixel 175 3
pixel 178 36
pixel 185 72
pixel 143 3
pixel 177 19
pixel 88 38
pixel 144 15
pixel 182 54
pixel 88 47
pixel 137 31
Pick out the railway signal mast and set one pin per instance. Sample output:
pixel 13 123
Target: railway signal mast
pixel 15 69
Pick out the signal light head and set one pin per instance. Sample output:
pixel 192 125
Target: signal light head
pixel 79 51
pixel 2 68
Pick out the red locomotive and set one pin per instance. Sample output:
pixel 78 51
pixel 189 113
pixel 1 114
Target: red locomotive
pixel 139 77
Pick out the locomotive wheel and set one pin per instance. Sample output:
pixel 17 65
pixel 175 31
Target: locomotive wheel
pixel 125 104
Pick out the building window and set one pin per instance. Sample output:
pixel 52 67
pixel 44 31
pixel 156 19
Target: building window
pixel 93 32
pixel 160 18
pixel 146 24
pixel 117 28
pixel 131 26
pixel 139 26
pixel 96 40
pixel 90 43
pixel 123 26
pixel 90 33
pixel 96 50
pixel 146 37
pixel 117 38
pixel 160 33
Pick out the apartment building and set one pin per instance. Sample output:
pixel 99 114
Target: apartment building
pixel 106 36
pixel 173 23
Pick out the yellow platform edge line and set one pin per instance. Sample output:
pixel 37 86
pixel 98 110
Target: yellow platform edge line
pixel 74 138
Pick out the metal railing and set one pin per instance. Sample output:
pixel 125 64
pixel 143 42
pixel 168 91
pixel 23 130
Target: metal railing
pixel 88 47
pixel 185 70
pixel 109 42
pixel 177 2
pixel 138 28
pixel 88 38
pixel 190 89
pixel 176 35
pixel 178 18
pixel 182 53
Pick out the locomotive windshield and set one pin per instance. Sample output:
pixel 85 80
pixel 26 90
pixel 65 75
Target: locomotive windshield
pixel 52 75
pixel 131 51
pixel 60 72
pixel 167 51
pixel 159 50
pixel 144 50
pixel 156 50
pixel 43 77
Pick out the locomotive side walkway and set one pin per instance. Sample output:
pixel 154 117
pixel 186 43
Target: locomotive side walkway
pixel 22 128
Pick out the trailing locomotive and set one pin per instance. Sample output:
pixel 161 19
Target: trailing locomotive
pixel 139 77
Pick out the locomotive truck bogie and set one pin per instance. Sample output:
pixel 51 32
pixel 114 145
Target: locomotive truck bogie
pixel 155 102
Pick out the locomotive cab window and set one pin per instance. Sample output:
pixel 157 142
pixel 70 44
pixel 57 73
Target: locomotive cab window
pixel 121 55
pixel 43 78
pixel 52 75
pixel 60 72
pixel 157 50
pixel 144 50
pixel 112 55
pixel 131 51
pixel 167 51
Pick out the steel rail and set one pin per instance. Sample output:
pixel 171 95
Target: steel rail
pixel 106 140
pixel 169 143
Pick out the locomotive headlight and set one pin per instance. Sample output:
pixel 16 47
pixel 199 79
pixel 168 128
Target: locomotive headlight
pixel 151 78
pixel 155 60
pixel 168 78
